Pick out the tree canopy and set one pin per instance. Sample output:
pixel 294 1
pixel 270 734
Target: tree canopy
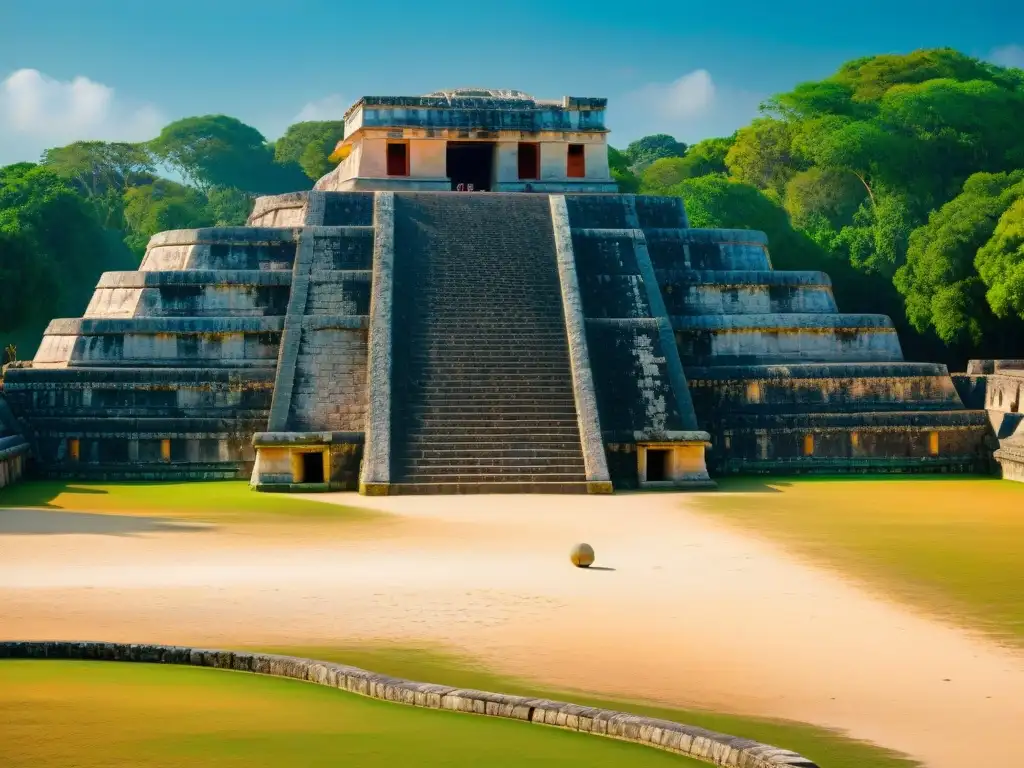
pixel 642 152
pixel 309 145
pixel 220 151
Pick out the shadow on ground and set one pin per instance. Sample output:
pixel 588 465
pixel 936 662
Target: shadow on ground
pixel 45 522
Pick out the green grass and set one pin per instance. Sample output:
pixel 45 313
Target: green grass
pixel 953 547
pixel 221 501
pixel 827 748
pixel 108 715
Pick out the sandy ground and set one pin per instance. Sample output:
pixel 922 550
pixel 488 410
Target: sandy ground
pixel 683 612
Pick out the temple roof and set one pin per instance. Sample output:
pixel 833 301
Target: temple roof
pixel 485 93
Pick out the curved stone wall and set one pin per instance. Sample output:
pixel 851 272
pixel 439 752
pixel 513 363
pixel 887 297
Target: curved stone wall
pixel 708 746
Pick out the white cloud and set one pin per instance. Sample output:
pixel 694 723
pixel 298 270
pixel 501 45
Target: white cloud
pixel 687 97
pixel 1008 56
pixel 332 107
pixel 691 107
pixel 38 112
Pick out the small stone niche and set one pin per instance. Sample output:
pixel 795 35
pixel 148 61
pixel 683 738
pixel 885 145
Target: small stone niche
pixel 311 464
pixel 657 465
pixel 672 465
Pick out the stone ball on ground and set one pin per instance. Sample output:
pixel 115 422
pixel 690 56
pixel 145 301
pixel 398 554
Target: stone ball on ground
pixel 582 555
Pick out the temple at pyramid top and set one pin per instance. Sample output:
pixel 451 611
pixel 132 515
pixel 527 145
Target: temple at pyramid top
pixel 473 140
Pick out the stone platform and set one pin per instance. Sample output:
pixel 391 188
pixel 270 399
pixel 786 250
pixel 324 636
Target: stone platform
pixel 405 342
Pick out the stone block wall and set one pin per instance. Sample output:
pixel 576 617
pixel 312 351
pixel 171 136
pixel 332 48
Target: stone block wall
pixel 191 293
pixel 638 378
pixel 14 448
pixel 330 380
pixel 997 386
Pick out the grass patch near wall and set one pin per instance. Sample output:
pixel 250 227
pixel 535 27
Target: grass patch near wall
pixel 219 501
pixel 952 546
pixel 827 748
pixel 111 715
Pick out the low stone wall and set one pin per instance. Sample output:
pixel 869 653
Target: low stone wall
pixel 708 746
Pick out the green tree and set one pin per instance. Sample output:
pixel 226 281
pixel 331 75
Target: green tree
pixel 661 174
pixel 643 152
pixel 707 157
pixel 220 151
pixel 762 155
pixel 309 145
pixel 822 196
pixel 228 207
pixel 161 206
pixel 618 163
pixel 1000 262
pixel 941 286
pixel 871 77
pixel 101 171
pixel 52 248
pixel 716 201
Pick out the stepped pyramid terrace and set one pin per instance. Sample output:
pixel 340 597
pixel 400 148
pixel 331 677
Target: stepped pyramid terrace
pixel 394 332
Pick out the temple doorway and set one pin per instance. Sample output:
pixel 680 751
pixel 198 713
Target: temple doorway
pixel 471 164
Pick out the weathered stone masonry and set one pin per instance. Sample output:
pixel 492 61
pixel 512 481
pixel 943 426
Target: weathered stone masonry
pixel 13 446
pixel 691 339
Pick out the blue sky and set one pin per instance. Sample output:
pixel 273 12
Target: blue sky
pixel 694 70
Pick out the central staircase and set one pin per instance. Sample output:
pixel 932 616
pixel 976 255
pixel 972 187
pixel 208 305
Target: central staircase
pixel 483 397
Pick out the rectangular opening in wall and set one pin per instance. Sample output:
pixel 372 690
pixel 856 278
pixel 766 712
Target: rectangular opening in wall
pixel 529 160
pixel 74 448
pixel 313 467
pixel 398 158
pixel 470 165
pixel 576 167
pixel 657 465
pixel 808 445
pixel 933 443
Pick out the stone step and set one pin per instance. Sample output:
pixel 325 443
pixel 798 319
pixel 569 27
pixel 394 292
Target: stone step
pixel 506 425
pixel 502 411
pixel 458 368
pixel 546 486
pixel 504 389
pixel 489 326
pixel 466 340
pixel 495 451
pixel 486 394
pixel 468 462
pixel 505 438
pixel 538 352
pixel 465 476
